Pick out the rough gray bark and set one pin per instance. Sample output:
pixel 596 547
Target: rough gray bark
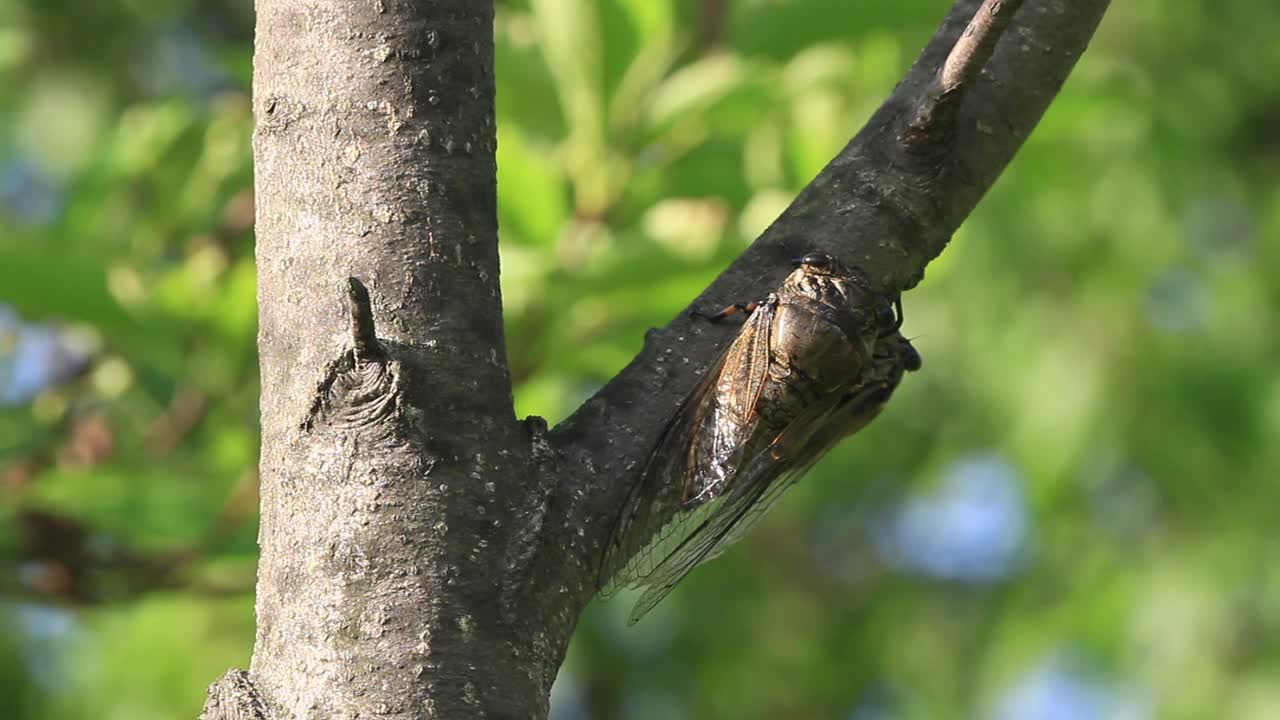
pixel 382 520
pixel 425 554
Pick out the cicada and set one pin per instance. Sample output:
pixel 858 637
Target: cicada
pixel 814 362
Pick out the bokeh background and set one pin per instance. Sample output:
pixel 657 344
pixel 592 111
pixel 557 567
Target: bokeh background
pixel 1071 512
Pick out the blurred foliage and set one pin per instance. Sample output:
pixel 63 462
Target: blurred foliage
pixel 1068 513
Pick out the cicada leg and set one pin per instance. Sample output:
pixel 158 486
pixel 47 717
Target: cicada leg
pixel 726 313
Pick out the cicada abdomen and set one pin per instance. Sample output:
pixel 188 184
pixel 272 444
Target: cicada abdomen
pixel 814 362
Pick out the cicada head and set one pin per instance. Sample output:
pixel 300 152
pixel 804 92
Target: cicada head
pixel 820 277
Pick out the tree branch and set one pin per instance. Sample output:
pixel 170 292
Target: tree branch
pixel 887 203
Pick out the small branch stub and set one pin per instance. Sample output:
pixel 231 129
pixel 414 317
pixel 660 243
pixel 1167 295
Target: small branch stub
pixel 975 46
pixel 964 64
pixel 364 340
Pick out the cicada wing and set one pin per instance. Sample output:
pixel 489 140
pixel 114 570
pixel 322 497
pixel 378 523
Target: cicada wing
pixel 762 480
pixel 624 560
pixel 805 441
pixel 716 520
pixel 779 466
pixel 697 455
pixel 746 363
pixel 731 410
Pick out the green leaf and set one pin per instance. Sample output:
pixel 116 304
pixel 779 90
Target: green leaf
pixel 46 286
pixel 532 194
pixel 569 34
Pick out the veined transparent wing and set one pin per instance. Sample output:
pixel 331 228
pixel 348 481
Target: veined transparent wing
pixel 760 483
pixel 764 479
pixel 696 450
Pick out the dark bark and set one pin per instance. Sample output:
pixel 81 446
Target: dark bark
pixel 424 554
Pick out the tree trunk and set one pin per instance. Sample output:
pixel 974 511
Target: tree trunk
pixel 388 466
pixel 425 554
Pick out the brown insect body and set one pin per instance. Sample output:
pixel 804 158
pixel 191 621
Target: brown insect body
pixel 802 344
pixel 814 362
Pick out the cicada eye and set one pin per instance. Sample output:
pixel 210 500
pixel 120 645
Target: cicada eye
pixel 818 261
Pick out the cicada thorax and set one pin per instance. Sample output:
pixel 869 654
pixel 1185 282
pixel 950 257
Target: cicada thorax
pixel 816 348
pixel 836 298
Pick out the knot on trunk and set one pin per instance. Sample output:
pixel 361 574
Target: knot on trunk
pixel 360 389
